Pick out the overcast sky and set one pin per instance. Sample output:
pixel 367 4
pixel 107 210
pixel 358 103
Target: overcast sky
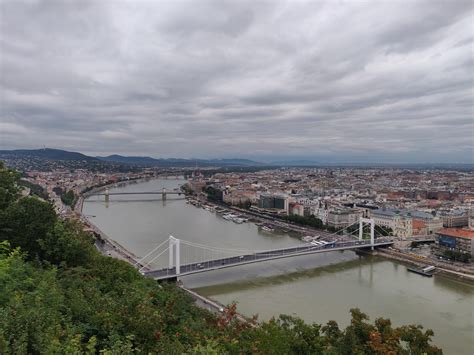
pixel 357 80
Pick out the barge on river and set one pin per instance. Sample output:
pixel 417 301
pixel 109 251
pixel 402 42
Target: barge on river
pixel 425 271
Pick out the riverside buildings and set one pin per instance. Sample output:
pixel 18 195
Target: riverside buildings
pixel 409 202
pixel 460 240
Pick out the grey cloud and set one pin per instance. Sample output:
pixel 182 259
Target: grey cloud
pixel 246 78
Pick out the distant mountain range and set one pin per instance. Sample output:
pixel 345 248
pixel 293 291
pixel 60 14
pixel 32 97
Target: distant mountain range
pixel 58 154
pixel 149 161
pixel 46 153
pixel 295 163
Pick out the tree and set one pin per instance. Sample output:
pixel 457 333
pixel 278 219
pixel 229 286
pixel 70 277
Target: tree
pixel 68 198
pixel 66 243
pixel 312 220
pixel 26 221
pixel 8 186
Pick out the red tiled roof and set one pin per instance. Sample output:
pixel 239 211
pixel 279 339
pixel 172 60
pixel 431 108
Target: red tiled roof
pixel 417 224
pixel 456 232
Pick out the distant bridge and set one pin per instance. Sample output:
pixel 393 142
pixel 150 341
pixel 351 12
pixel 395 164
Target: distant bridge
pixel 163 193
pixel 199 258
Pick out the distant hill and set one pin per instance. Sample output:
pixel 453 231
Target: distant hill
pixel 47 153
pixel 295 163
pixel 58 154
pixel 241 162
pixel 149 161
pixel 128 160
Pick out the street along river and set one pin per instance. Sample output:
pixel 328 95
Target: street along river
pixel 317 287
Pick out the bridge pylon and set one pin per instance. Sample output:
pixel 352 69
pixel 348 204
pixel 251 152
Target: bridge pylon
pixel 174 253
pixel 163 194
pixel 370 221
pixel 106 194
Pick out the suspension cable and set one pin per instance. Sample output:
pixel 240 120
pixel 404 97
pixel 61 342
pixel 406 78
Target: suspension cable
pixel 197 245
pixel 152 251
pixel 156 257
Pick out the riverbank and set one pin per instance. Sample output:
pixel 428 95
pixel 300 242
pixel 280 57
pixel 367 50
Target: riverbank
pixel 407 259
pixel 212 305
pixel 105 244
pixel 109 247
pixel 276 223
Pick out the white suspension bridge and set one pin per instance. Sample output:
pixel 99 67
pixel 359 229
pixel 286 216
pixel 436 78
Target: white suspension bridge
pixel 187 258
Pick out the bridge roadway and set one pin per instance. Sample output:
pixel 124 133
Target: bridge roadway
pixel 304 249
pixel 141 193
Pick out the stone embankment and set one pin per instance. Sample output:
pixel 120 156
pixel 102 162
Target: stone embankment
pixel 443 268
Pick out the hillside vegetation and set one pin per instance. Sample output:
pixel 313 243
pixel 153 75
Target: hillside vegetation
pixel 58 295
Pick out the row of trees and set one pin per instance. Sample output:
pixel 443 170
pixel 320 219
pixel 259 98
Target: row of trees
pixel 311 221
pixel 68 197
pixel 35 189
pixel 59 295
pixel 457 256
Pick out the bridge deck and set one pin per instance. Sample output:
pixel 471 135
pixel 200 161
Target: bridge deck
pixel 141 193
pixel 203 266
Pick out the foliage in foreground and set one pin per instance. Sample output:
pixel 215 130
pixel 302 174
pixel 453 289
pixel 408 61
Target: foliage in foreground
pixel 59 295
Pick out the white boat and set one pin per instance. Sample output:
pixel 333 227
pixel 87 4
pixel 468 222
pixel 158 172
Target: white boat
pixel 429 269
pixel 267 229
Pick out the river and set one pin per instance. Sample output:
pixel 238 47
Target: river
pixel 317 288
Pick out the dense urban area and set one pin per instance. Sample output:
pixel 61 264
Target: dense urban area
pixel 407 203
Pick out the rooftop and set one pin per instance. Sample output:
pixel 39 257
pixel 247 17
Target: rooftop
pixel 456 232
pixel 403 213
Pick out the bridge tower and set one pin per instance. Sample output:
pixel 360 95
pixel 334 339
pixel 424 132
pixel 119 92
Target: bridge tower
pixel 174 252
pixel 106 194
pixel 163 194
pixel 372 229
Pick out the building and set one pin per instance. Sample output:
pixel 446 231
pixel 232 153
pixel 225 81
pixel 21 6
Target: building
pixel 406 223
pixel 340 218
pixel 471 218
pixel 455 219
pixel 461 240
pixel 269 201
pixel 401 225
pixel 236 197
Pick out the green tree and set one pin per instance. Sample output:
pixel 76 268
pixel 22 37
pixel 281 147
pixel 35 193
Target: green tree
pixel 68 198
pixel 26 221
pixel 66 243
pixel 8 186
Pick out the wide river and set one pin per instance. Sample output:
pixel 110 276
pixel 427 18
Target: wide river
pixel 316 288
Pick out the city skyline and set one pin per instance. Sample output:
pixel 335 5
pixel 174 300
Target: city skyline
pixel 258 80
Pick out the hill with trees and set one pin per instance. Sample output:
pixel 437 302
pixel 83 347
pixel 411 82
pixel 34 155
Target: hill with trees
pixel 47 153
pixel 58 295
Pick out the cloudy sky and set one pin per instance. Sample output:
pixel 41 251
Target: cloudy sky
pixel 356 80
